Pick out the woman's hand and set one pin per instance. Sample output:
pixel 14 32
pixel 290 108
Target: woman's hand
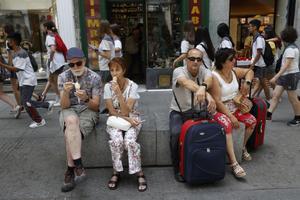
pixel 273 80
pixel 133 122
pixel 245 89
pixel 234 121
pixel 115 87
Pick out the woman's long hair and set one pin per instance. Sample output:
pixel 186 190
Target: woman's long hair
pixel 202 35
pixel 50 26
pixel 223 31
pixel 189 31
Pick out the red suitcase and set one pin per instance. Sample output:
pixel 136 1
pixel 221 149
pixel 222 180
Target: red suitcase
pixel 259 111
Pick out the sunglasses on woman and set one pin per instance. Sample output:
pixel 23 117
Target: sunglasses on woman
pixel 193 59
pixel 78 64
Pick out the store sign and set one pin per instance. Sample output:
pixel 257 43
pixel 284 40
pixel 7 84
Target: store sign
pixel 92 17
pixel 195 12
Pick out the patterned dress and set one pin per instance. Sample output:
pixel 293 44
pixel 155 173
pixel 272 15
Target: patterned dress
pixel 124 140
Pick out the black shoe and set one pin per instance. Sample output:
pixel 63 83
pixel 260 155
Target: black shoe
pixel 178 177
pixel 69 182
pixel 294 122
pixel 269 116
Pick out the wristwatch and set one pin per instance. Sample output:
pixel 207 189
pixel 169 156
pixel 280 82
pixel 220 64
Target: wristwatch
pixel 205 85
pixel 248 82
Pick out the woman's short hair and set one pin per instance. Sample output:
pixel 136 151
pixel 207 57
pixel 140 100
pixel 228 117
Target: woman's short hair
pixel 222 55
pixel 119 61
pixel 289 34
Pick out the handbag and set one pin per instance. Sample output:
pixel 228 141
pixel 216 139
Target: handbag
pixel 243 103
pixel 118 122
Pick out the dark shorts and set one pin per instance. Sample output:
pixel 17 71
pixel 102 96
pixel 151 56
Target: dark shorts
pixel 264 72
pixel 13 75
pixel 58 71
pixel 289 81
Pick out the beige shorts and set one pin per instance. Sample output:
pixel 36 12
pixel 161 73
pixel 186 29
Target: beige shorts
pixel 87 119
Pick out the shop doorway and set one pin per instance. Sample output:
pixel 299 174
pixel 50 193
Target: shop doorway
pixel 150 34
pixel 242 13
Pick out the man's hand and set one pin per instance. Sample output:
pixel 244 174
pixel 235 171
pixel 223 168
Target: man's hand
pixel 81 94
pixel 211 107
pixel 234 121
pixel 68 86
pixel 200 94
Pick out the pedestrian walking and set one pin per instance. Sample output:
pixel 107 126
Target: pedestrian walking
pixel 288 76
pixel 27 80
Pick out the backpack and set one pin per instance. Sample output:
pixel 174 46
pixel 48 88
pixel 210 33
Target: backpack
pixel 60 45
pixel 33 62
pixel 268 54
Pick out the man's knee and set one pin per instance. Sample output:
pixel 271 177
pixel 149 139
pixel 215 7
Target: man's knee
pixel 71 120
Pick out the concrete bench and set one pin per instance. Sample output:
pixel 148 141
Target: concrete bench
pixel 154 136
pixel 154 141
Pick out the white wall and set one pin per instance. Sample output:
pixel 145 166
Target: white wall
pixel 66 24
pixel 218 13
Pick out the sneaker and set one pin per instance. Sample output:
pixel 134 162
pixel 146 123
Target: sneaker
pixel 51 105
pixel 80 174
pixel 294 122
pixel 18 111
pixel 36 124
pixel 56 104
pixel 69 182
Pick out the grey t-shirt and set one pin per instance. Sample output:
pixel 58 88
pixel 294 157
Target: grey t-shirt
pixel 89 81
pixel 184 95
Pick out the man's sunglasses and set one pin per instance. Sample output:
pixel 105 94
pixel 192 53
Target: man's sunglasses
pixel 193 59
pixel 79 63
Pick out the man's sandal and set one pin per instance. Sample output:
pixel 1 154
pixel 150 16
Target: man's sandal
pixel 237 170
pixel 246 156
pixel 114 181
pixel 142 184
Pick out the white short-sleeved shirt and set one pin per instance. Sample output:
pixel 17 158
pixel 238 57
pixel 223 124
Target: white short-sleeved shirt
pixel 207 61
pixel 185 47
pixel 118 45
pixel 58 58
pixel 26 75
pixel 184 95
pixel 259 43
pixel 225 43
pixel 107 44
pixel 291 52
pixel 130 92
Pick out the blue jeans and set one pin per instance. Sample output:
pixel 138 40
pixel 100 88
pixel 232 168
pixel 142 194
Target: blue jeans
pixel 175 123
pixel 29 105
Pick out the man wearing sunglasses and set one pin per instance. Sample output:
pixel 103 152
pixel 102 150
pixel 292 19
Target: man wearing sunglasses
pixel 80 90
pixel 192 78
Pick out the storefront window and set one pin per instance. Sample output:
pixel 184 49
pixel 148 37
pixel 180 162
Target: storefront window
pixel 242 14
pixel 30 24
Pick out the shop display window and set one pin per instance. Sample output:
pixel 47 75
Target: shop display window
pixel 30 24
